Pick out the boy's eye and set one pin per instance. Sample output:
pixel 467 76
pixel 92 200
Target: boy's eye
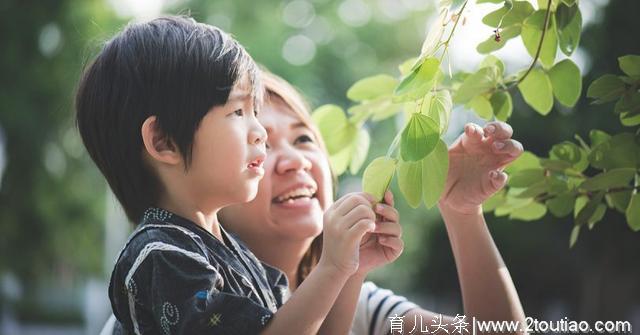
pixel 303 139
pixel 238 112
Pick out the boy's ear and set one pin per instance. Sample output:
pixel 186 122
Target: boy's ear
pixel 159 146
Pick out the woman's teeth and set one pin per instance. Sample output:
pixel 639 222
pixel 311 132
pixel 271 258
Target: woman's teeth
pixel 297 193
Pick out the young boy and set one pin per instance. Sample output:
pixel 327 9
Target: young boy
pixel 167 112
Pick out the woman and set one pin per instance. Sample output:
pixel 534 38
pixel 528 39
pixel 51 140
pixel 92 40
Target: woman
pixel 283 224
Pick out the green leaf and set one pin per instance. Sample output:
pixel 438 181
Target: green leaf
pixel 629 103
pixel 598 136
pixel 494 201
pixel 597 215
pixel 542 4
pixel 410 181
pixel 340 161
pixel 490 44
pixel 620 200
pixel 420 81
pixel 434 174
pixel 377 176
pixel 407 66
pixel 526 161
pixel 336 131
pixel 439 107
pixel 606 88
pixel 587 211
pixel 489 1
pixel 630 65
pixel 478 83
pixel 569 152
pixel 609 179
pixel 519 11
pixel 633 212
pixel 372 87
pixel 537 91
pixel 533 190
pixel 419 137
pixel 360 148
pixel 566 82
pixel 629 120
pixel 562 204
pixel 502 105
pixel 621 151
pixel 491 61
pixel 531 34
pixel 482 106
pixel 526 177
pixel 530 212
pixel 569 25
pixel 575 232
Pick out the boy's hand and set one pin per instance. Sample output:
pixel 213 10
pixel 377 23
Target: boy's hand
pixel 476 161
pixel 383 245
pixel 345 223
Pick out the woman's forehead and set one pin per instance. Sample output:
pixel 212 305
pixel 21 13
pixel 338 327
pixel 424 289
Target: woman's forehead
pixel 278 116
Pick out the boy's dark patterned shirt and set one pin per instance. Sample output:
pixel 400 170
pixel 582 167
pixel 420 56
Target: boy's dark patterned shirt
pixel 174 277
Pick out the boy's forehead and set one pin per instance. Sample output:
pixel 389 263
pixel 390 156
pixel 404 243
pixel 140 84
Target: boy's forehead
pixel 242 90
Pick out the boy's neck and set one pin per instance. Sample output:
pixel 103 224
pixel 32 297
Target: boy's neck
pixel 207 219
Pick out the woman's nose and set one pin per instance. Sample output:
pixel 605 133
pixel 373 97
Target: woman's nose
pixel 290 159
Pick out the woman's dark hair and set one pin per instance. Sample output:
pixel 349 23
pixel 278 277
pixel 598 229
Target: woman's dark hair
pixel 172 67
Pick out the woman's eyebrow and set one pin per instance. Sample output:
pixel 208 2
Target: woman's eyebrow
pixel 299 124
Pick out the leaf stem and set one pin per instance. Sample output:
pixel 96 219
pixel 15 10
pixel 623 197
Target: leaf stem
pixel 538 51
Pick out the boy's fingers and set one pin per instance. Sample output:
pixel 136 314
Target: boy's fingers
pixel 498 130
pixel 360 212
pixel 352 200
pixel 394 243
pixel 388 228
pixel 387 212
pixel 388 198
pixel 358 230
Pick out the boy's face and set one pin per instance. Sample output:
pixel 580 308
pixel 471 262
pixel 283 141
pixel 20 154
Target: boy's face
pixel 228 151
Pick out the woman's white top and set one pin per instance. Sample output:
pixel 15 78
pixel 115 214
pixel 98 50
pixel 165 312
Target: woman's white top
pixel 375 308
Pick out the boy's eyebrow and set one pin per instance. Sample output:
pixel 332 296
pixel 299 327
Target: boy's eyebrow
pixel 239 96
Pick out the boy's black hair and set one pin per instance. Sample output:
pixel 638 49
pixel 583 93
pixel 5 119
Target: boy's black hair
pixel 172 67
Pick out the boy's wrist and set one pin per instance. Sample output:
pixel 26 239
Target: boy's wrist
pixel 333 271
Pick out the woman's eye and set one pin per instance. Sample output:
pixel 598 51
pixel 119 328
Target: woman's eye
pixel 238 112
pixel 255 112
pixel 303 139
pixel 267 146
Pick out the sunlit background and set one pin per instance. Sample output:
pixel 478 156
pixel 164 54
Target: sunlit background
pixel 60 229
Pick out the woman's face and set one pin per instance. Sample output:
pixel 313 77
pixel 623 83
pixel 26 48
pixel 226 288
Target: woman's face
pixel 296 187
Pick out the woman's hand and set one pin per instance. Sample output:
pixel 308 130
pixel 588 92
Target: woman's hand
pixel 476 162
pixel 345 223
pixel 384 244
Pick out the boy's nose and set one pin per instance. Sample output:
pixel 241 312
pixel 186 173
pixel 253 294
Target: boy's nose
pixel 257 135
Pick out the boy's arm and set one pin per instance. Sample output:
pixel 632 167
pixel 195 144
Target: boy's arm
pixel 345 223
pixel 374 252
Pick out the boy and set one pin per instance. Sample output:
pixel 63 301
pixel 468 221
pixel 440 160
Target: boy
pixel 167 112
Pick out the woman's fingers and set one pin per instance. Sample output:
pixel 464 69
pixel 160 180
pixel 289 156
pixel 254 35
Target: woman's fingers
pixel 510 147
pixel 498 130
pixel 497 180
pixel 352 200
pixel 474 132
